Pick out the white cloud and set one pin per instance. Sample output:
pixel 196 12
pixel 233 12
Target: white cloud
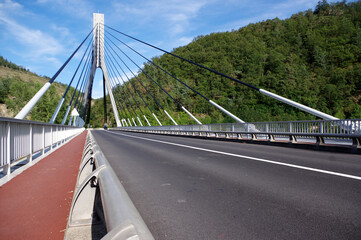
pixel 34 45
pixel 37 43
pixel 174 15
pixel 63 30
pixel 75 8
pixel 9 5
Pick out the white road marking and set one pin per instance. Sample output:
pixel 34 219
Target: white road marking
pixel 246 157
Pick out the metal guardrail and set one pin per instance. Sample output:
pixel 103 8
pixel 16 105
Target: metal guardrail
pixel 338 132
pixel 97 178
pixel 21 140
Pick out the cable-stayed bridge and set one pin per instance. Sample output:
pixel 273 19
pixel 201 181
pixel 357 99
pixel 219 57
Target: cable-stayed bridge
pixel 179 181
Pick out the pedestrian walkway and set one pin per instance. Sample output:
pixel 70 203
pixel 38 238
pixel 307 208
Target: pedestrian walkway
pixel 36 204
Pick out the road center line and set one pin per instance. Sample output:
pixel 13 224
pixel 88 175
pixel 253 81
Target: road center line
pixel 246 157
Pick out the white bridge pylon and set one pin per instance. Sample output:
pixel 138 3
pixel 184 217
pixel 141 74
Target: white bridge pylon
pixel 98 62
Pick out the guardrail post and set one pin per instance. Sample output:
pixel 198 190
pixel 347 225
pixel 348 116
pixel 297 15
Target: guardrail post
pixel 239 135
pixel 51 139
pixel 320 140
pixel 321 126
pixel 254 137
pixel 356 142
pixel 271 138
pixel 292 139
pixel 247 129
pixel 57 136
pixel 43 141
pixel 8 148
pixel 267 127
pixel 31 143
pixel 64 134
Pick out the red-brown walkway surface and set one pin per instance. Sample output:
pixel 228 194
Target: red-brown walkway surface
pixel 36 203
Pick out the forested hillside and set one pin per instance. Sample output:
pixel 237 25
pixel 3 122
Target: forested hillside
pixel 314 58
pixel 18 85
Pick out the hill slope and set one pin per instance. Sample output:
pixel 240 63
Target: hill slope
pixel 18 86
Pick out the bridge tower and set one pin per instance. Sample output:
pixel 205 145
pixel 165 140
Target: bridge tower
pixel 98 62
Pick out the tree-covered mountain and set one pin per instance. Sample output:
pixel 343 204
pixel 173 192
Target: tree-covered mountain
pixel 18 85
pixel 314 58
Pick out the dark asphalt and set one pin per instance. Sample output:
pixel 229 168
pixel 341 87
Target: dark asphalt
pixel 185 193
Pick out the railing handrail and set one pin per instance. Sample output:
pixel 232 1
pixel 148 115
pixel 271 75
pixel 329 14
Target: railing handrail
pixel 21 139
pixel 14 120
pixel 273 122
pixel 346 132
pixel 351 126
pixel 271 133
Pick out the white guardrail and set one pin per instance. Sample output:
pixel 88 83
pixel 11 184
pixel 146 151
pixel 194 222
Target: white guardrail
pixel 338 132
pixel 22 140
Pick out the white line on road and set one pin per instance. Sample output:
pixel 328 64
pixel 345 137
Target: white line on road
pixel 247 157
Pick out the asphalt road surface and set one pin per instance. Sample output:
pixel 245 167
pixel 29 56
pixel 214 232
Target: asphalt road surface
pixel 188 188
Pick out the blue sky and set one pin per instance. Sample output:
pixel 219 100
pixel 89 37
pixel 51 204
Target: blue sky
pixel 40 35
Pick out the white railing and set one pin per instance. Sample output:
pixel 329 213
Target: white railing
pixel 339 132
pixel 21 140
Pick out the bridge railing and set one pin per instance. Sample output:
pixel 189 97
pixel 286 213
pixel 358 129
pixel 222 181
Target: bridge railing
pixel 340 132
pixel 22 140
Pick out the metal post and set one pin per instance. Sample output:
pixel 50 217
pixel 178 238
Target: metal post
pixel 290 127
pixel 8 149
pixel 52 140
pixel 134 122
pixel 321 126
pixel 43 141
pixel 30 143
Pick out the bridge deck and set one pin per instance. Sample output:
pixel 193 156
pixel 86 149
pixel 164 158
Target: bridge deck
pixel 36 204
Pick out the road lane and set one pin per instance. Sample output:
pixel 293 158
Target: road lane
pixel 185 193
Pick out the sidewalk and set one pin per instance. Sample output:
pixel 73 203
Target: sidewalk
pixel 36 204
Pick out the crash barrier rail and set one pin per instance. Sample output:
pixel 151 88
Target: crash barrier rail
pixel 338 132
pixel 22 140
pixel 97 180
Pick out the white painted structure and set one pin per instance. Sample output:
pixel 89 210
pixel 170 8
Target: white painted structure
pixel 98 62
